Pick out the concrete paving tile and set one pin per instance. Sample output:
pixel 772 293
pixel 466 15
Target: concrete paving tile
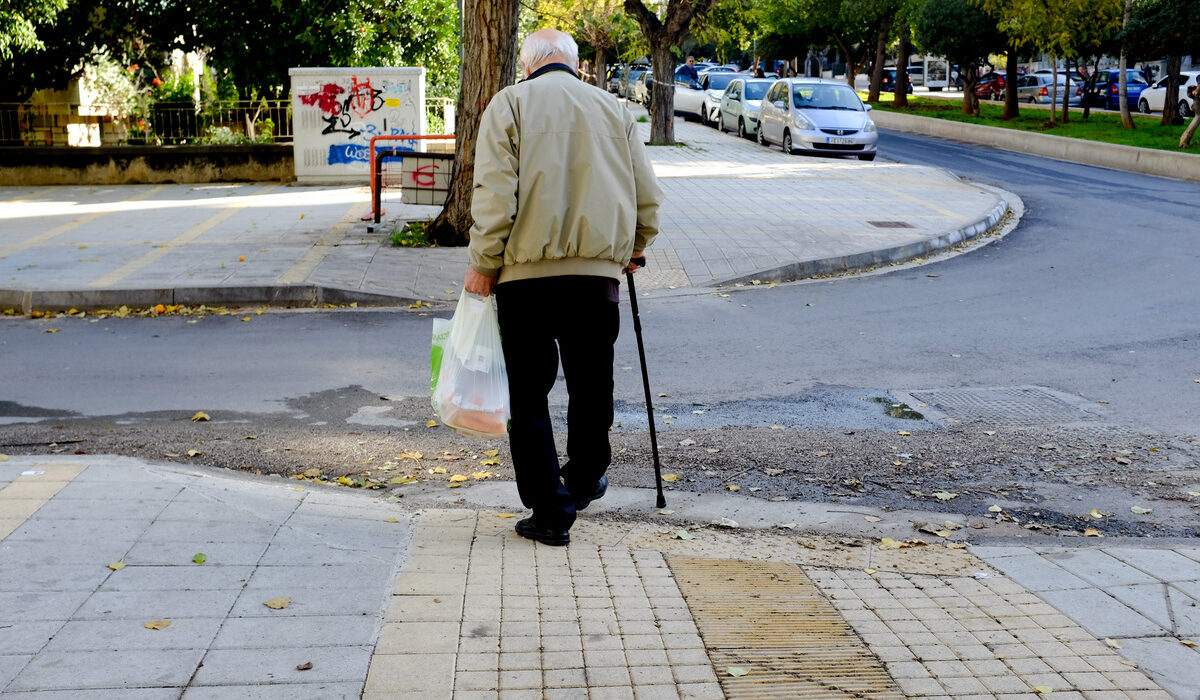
pixel 313 549
pixel 77 509
pixel 104 694
pixel 1101 614
pixel 1162 564
pixel 11 665
pixel 127 635
pixel 183 531
pixel 1099 568
pixel 29 553
pixel 271 577
pixel 81 531
pixel 418 637
pixel 278 665
pixel 290 691
pixel 307 631
pixel 1186 614
pixel 331 600
pixel 181 553
pixel 23 606
pixel 66 670
pixel 1038 574
pixel 52 577
pixel 20 638
pixel 1149 600
pixel 155 605
pixel 1172 665
pixel 184 577
pixel 136 491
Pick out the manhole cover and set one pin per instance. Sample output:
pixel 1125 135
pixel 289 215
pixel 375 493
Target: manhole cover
pixel 770 619
pixel 1017 405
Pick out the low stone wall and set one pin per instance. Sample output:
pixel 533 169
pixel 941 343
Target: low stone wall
pixel 1148 161
pixel 135 165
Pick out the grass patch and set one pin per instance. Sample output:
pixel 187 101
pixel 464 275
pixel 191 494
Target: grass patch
pixel 642 119
pixel 1101 125
pixel 415 234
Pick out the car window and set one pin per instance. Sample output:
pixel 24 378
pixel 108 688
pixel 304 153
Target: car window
pixel 755 91
pixel 817 96
pixel 718 81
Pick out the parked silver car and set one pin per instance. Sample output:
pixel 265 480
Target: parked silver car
pixel 740 105
pixel 816 115
pixel 1038 89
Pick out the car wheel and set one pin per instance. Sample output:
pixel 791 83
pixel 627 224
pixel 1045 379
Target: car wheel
pixel 1143 107
pixel 721 122
pixel 758 136
pixel 742 128
pixel 787 142
pixel 1032 100
pixel 1185 110
pixel 866 156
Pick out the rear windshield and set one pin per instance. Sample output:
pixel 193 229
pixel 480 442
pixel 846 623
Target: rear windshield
pixel 755 91
pixel 719 81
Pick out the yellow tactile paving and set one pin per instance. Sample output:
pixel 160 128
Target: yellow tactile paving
pixel 45 236
pixel 31 490
pixel 321 249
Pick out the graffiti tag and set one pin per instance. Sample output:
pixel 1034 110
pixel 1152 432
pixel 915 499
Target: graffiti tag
pixel 340 114
pixel 423 176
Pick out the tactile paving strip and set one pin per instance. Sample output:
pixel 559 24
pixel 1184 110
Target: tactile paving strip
pixel 772 619
pixel 1017 405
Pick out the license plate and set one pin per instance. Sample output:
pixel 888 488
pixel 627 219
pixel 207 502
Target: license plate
pixel 834 139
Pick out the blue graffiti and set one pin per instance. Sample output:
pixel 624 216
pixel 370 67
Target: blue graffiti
pixel 346 153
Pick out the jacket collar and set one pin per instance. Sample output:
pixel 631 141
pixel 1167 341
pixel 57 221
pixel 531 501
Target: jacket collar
pixel 551 67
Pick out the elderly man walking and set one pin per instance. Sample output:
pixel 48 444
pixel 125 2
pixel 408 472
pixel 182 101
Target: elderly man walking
pixel 564 199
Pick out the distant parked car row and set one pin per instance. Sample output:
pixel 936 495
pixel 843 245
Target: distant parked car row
pixel 1154 98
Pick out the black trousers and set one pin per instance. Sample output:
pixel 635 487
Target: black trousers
pixel 574 319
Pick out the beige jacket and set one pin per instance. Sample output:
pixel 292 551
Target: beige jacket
pixel 563 185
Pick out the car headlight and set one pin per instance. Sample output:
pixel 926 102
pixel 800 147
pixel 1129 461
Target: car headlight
pixel 804 122
pixel 869 128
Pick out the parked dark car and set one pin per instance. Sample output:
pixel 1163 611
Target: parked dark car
pixel 1107 90
pixel 990 86
pixel 888 84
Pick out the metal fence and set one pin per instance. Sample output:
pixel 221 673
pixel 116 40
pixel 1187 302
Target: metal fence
pixel 167 123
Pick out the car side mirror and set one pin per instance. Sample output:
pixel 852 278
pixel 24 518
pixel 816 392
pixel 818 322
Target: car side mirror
pixel 695 85
pixel 869 107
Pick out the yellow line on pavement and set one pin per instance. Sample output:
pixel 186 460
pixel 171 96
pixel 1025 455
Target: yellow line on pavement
pixel 305 265
pixel 182 239
pixel 35 196
pixel 28 492
pixel 44 236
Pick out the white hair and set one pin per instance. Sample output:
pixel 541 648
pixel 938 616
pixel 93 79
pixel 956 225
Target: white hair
pixel 538 47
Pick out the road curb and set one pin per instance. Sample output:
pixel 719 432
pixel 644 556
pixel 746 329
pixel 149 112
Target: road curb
pixel 298 295
pixel 862 262
pixel 1146 161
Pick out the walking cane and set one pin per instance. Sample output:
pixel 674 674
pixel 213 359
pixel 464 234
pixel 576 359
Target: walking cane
pixel 637 329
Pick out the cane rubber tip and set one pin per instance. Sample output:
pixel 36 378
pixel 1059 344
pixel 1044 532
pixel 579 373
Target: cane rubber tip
pixel 662 503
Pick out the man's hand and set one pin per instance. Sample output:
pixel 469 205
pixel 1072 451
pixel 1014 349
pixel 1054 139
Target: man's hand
pixel 476 283
pixel 632 266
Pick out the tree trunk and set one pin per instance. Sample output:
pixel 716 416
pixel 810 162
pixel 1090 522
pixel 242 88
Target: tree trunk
pixel 662 103
pixel 885 29
pixel 601 68
pixel 1066 100
pixel 1171 101
pixel 902 67
pixel 1185 140
pixel 489 60
pixel 1053 90
pixel 1123 95
pixel 970 76
pixel 1012 107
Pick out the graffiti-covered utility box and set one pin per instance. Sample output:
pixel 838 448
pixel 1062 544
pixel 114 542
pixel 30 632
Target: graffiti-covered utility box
pixel 336 111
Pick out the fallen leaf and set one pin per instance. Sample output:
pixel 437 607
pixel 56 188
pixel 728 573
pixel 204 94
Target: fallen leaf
pixel 391 520
pixel 1129 662
pixel 307 666
pixel 1188 643
pixel 1092 532
pixel 1138 510
pixel 157 624
pixel 732 487
pixel 505 515
pixel 491 453
pixel 872 518
pixel 687 443
pixel 712 450
pixel 194 453
pixel 479 476
pixel 431 423
pixel 737 671
pixel 888 543
pixel 1043 689
pixel 311 473
pixel 1096 514
pixel 995 509
pixel 457 478
pixel 989 432
pixel 670 478
pixel 903 432
pixel 869 571
pixel 683 535
pixel 942 533
pixel 956 545
pixel 1193 494
pixel 409 454
pixel 117 565
pixel 53 330
pixel 200 558
pixel 438 470
pixel 1113 643
pixel 278 603
pixel 944 495
pixel 402 480
pixel 250 437
pixel 489 462
pixel 772 472
pixel 664 511
pixel 200 416
pixel 776 427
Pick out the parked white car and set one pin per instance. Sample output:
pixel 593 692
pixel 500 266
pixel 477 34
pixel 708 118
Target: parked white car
pixel 740 105
pixel 700 100
pixel 642 88
pixel 817 115
pixel 1153 97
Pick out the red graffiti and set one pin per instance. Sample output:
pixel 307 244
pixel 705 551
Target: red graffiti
pixel 423 175
pixel 362 99
pixel 327 99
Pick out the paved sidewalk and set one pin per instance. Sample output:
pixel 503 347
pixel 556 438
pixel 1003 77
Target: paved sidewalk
pixel 734 212
pixel 385 601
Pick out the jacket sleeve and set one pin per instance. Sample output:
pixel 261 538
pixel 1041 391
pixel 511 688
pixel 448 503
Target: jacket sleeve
pixel 494 199
pixel 649 194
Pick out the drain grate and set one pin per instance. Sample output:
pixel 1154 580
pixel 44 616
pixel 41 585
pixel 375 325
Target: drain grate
pixel 1019 405
pixel 890 224
pixel 772 619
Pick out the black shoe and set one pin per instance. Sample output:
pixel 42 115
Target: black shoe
pixel 530 530
pixel 596 494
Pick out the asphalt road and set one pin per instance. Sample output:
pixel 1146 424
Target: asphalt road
pixel 1093 296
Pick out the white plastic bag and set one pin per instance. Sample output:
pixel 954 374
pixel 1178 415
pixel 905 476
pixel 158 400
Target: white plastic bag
pixel 468 380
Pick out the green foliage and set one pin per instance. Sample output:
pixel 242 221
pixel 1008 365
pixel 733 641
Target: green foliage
pixel 958 30
pixel 1160 28
pixel 731 25
pixel 413 235
pixel 1061 28
pixel 20 22
pixel 175 88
